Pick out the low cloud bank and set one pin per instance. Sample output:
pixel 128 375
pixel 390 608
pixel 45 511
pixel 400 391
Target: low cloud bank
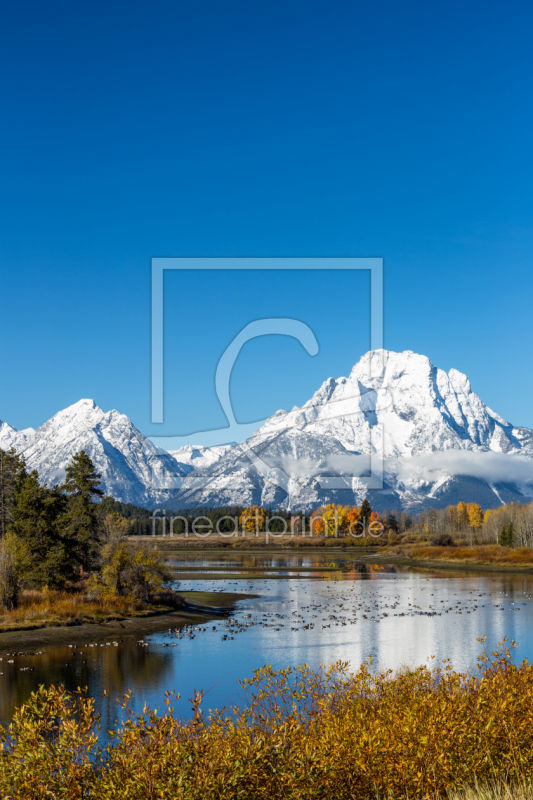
pixel 489 466
pixel 492 467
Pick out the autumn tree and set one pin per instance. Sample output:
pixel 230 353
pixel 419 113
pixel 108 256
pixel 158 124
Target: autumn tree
pixel 463 520
pixel 451 513
pixel 475 516
pixel 317 525
pixel 376 526
pixel 335 519
pixel 115 526
pixel 353 526
pixel 252 520
pixel 128 569
pixel 11 569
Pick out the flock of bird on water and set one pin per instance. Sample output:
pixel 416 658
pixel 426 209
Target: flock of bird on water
pixel 338 604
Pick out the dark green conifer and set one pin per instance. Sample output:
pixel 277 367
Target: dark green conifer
pixel 12 471
pixel 366 511
pixel 79 524
pixel 36 512
pixel 510 535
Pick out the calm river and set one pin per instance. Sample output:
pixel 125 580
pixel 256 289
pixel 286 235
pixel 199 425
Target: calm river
pixel 397 616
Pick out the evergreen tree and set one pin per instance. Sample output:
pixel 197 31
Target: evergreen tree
pixel 80 523
pixel 364 514
pixel 12 471
pixel 503 537
pixel 510 535
pixel 36 512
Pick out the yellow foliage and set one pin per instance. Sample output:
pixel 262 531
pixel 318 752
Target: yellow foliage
pixel 252 520
pixel 116 526
pixel 462 515
pixel 330 520
pixel 421 733
pixel 475 516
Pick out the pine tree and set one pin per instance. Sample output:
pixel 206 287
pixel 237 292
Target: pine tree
pixel 12 471
pixel 510 535
pixel 365 512
pixel 82 479
pixel 79 534
pixel 36 512
pixel 503 537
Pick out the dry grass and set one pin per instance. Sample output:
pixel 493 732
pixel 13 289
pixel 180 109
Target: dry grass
pixel 476 554
pixel 520 791
pixel 49 608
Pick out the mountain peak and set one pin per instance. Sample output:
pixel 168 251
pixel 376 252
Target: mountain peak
pixel 459 381
pixel 426 423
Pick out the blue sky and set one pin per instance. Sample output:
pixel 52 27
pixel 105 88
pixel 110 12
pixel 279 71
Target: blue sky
pixel 132 130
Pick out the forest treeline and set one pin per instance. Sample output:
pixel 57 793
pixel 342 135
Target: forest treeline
pixel 510 525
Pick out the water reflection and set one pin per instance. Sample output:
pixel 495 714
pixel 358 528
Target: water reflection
pixel 96 666
pixel 347 611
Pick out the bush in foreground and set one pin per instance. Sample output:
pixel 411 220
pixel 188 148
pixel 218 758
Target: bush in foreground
pixel 301 734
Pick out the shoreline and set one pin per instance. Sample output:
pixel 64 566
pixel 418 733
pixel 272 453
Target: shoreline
pixel 252 543
pixel 455 566
pixel 95 631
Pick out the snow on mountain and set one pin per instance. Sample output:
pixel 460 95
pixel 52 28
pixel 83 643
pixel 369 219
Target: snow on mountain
pixel 395 407
pixel 197 456
pixel 400 404
pixel 133 469
pixel 11 437
pixel 396 417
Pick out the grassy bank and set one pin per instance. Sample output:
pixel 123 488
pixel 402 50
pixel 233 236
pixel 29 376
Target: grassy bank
pixel 39 609
pixel 420 734
pixel 171 544
pixel 486 555
pixel 198 607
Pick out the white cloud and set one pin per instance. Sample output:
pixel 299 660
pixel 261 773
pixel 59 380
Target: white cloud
pixel 486 465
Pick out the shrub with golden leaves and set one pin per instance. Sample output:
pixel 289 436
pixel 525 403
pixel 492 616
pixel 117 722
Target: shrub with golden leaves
pixel 331 734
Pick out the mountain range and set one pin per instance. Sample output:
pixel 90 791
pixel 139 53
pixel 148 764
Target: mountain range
pixel 397 430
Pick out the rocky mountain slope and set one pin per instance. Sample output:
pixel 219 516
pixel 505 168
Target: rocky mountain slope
pixel 198 457
pixel 133 469
pixel 397 430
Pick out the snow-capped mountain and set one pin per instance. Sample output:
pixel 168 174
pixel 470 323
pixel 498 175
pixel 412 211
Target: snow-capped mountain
pixel 397 430
pixel 428 439
pixel 133 469
pixel 198 456
pixel 11 437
